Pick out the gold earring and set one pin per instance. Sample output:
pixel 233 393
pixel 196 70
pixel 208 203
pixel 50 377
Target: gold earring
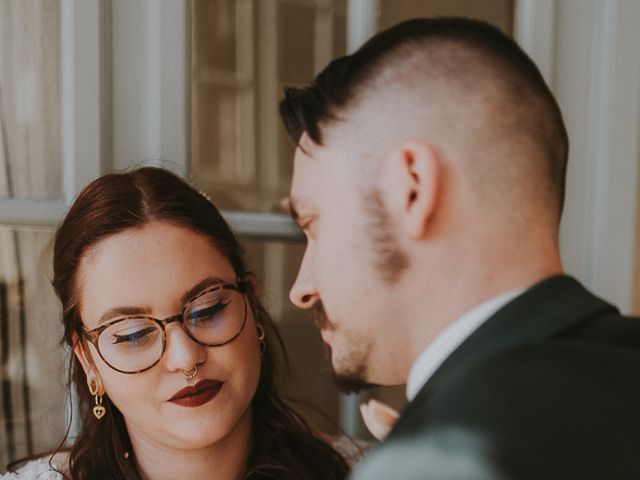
pixel 261 337
pixel 98 408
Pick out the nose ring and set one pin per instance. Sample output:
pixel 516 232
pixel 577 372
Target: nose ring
pixel 191 373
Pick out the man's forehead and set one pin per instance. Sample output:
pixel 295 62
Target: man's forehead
pixel 333 146
pixel 314 163
pixel 310 170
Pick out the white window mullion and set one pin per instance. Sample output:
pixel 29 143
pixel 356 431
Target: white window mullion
pixel 81 95
pixel 150 88
pixel 534 30
pixel 362 22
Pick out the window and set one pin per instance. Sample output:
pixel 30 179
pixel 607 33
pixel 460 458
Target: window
pixel 242 55
pixel 77 99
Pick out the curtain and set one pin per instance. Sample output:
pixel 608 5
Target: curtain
pixel 31 394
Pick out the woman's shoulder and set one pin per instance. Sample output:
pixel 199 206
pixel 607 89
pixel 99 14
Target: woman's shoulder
pixel 42 468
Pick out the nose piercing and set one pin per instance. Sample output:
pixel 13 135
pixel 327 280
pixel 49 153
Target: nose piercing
pixel 191 373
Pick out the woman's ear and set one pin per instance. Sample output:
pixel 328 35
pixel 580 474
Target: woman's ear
pixel 416 177
pixel 83 356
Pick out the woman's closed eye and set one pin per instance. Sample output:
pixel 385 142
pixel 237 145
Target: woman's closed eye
pixel 137 338
pixel 206 313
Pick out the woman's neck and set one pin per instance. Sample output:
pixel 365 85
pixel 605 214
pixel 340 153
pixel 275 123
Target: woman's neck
pixel 224 460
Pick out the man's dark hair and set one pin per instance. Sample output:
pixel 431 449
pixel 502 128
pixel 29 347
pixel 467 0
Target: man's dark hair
pixel 472 54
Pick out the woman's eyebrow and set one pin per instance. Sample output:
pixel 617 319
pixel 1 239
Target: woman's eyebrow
pixel 188 295
pixel 118 311
pixel 205 283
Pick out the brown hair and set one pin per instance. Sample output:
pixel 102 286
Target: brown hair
pixel 284 445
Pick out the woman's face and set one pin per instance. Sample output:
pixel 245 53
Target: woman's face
pixel 150 270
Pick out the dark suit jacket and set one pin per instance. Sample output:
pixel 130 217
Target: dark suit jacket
pixel 547 388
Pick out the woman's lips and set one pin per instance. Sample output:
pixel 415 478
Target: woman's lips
pixel 199 394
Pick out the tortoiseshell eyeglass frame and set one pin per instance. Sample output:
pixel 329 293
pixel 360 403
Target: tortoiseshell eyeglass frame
pixel 93 335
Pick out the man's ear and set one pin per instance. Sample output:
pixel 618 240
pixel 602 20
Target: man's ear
pixel 416 177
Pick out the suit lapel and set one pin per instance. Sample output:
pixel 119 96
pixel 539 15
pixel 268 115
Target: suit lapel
pixel 545 310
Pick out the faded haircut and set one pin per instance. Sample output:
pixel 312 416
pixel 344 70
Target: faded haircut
pixel 470 54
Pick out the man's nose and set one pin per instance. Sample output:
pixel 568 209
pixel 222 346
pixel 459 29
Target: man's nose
pixel 303 293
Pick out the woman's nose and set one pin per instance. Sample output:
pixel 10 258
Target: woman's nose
pixel 181 351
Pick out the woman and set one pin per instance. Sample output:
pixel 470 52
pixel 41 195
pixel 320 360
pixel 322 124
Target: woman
pixel 173 354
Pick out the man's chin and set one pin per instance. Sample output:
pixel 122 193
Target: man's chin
pixel 348 372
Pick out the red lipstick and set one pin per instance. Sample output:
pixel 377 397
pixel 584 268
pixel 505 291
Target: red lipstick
pixel 199 394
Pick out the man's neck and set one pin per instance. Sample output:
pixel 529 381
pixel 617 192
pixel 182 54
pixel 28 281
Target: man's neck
pixel 444 304
pixel 454 335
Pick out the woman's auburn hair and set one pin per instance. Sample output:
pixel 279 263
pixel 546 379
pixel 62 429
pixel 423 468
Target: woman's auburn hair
pixel 284 447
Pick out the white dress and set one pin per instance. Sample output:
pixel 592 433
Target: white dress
pixel 39 469
pixel 34 470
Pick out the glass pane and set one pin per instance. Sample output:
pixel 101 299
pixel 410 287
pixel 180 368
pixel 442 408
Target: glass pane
pixel 32 414
pixel 30 99
pixel 340 29
pixel 295 29
pixel 241 155
pixel 216 124
pixel 214 30
pixel 497 12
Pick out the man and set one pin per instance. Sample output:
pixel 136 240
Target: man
pixel 429 181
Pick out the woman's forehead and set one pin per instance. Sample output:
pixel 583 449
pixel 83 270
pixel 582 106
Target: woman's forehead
pixel 150 268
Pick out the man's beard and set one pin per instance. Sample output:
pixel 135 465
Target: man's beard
pixel 354 366
pixel 389 259
pixel 350 383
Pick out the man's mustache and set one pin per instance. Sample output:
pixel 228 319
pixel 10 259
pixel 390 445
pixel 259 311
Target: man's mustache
pixel 320 317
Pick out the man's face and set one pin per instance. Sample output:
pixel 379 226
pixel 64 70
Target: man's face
pixel 340 275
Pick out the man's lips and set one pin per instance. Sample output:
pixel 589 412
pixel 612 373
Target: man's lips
pixel 203 390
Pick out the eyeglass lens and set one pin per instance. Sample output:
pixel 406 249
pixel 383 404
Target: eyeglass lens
pixel 136 343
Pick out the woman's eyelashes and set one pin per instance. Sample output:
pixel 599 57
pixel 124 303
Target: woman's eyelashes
pixel 136 339
pixel 206 313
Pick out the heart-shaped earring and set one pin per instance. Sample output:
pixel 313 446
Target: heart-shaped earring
pixel 94 389
pixel 99 411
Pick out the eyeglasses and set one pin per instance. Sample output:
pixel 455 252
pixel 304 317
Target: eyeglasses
pixel 134 344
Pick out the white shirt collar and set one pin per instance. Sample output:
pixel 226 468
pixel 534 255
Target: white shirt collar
pixel 451 338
